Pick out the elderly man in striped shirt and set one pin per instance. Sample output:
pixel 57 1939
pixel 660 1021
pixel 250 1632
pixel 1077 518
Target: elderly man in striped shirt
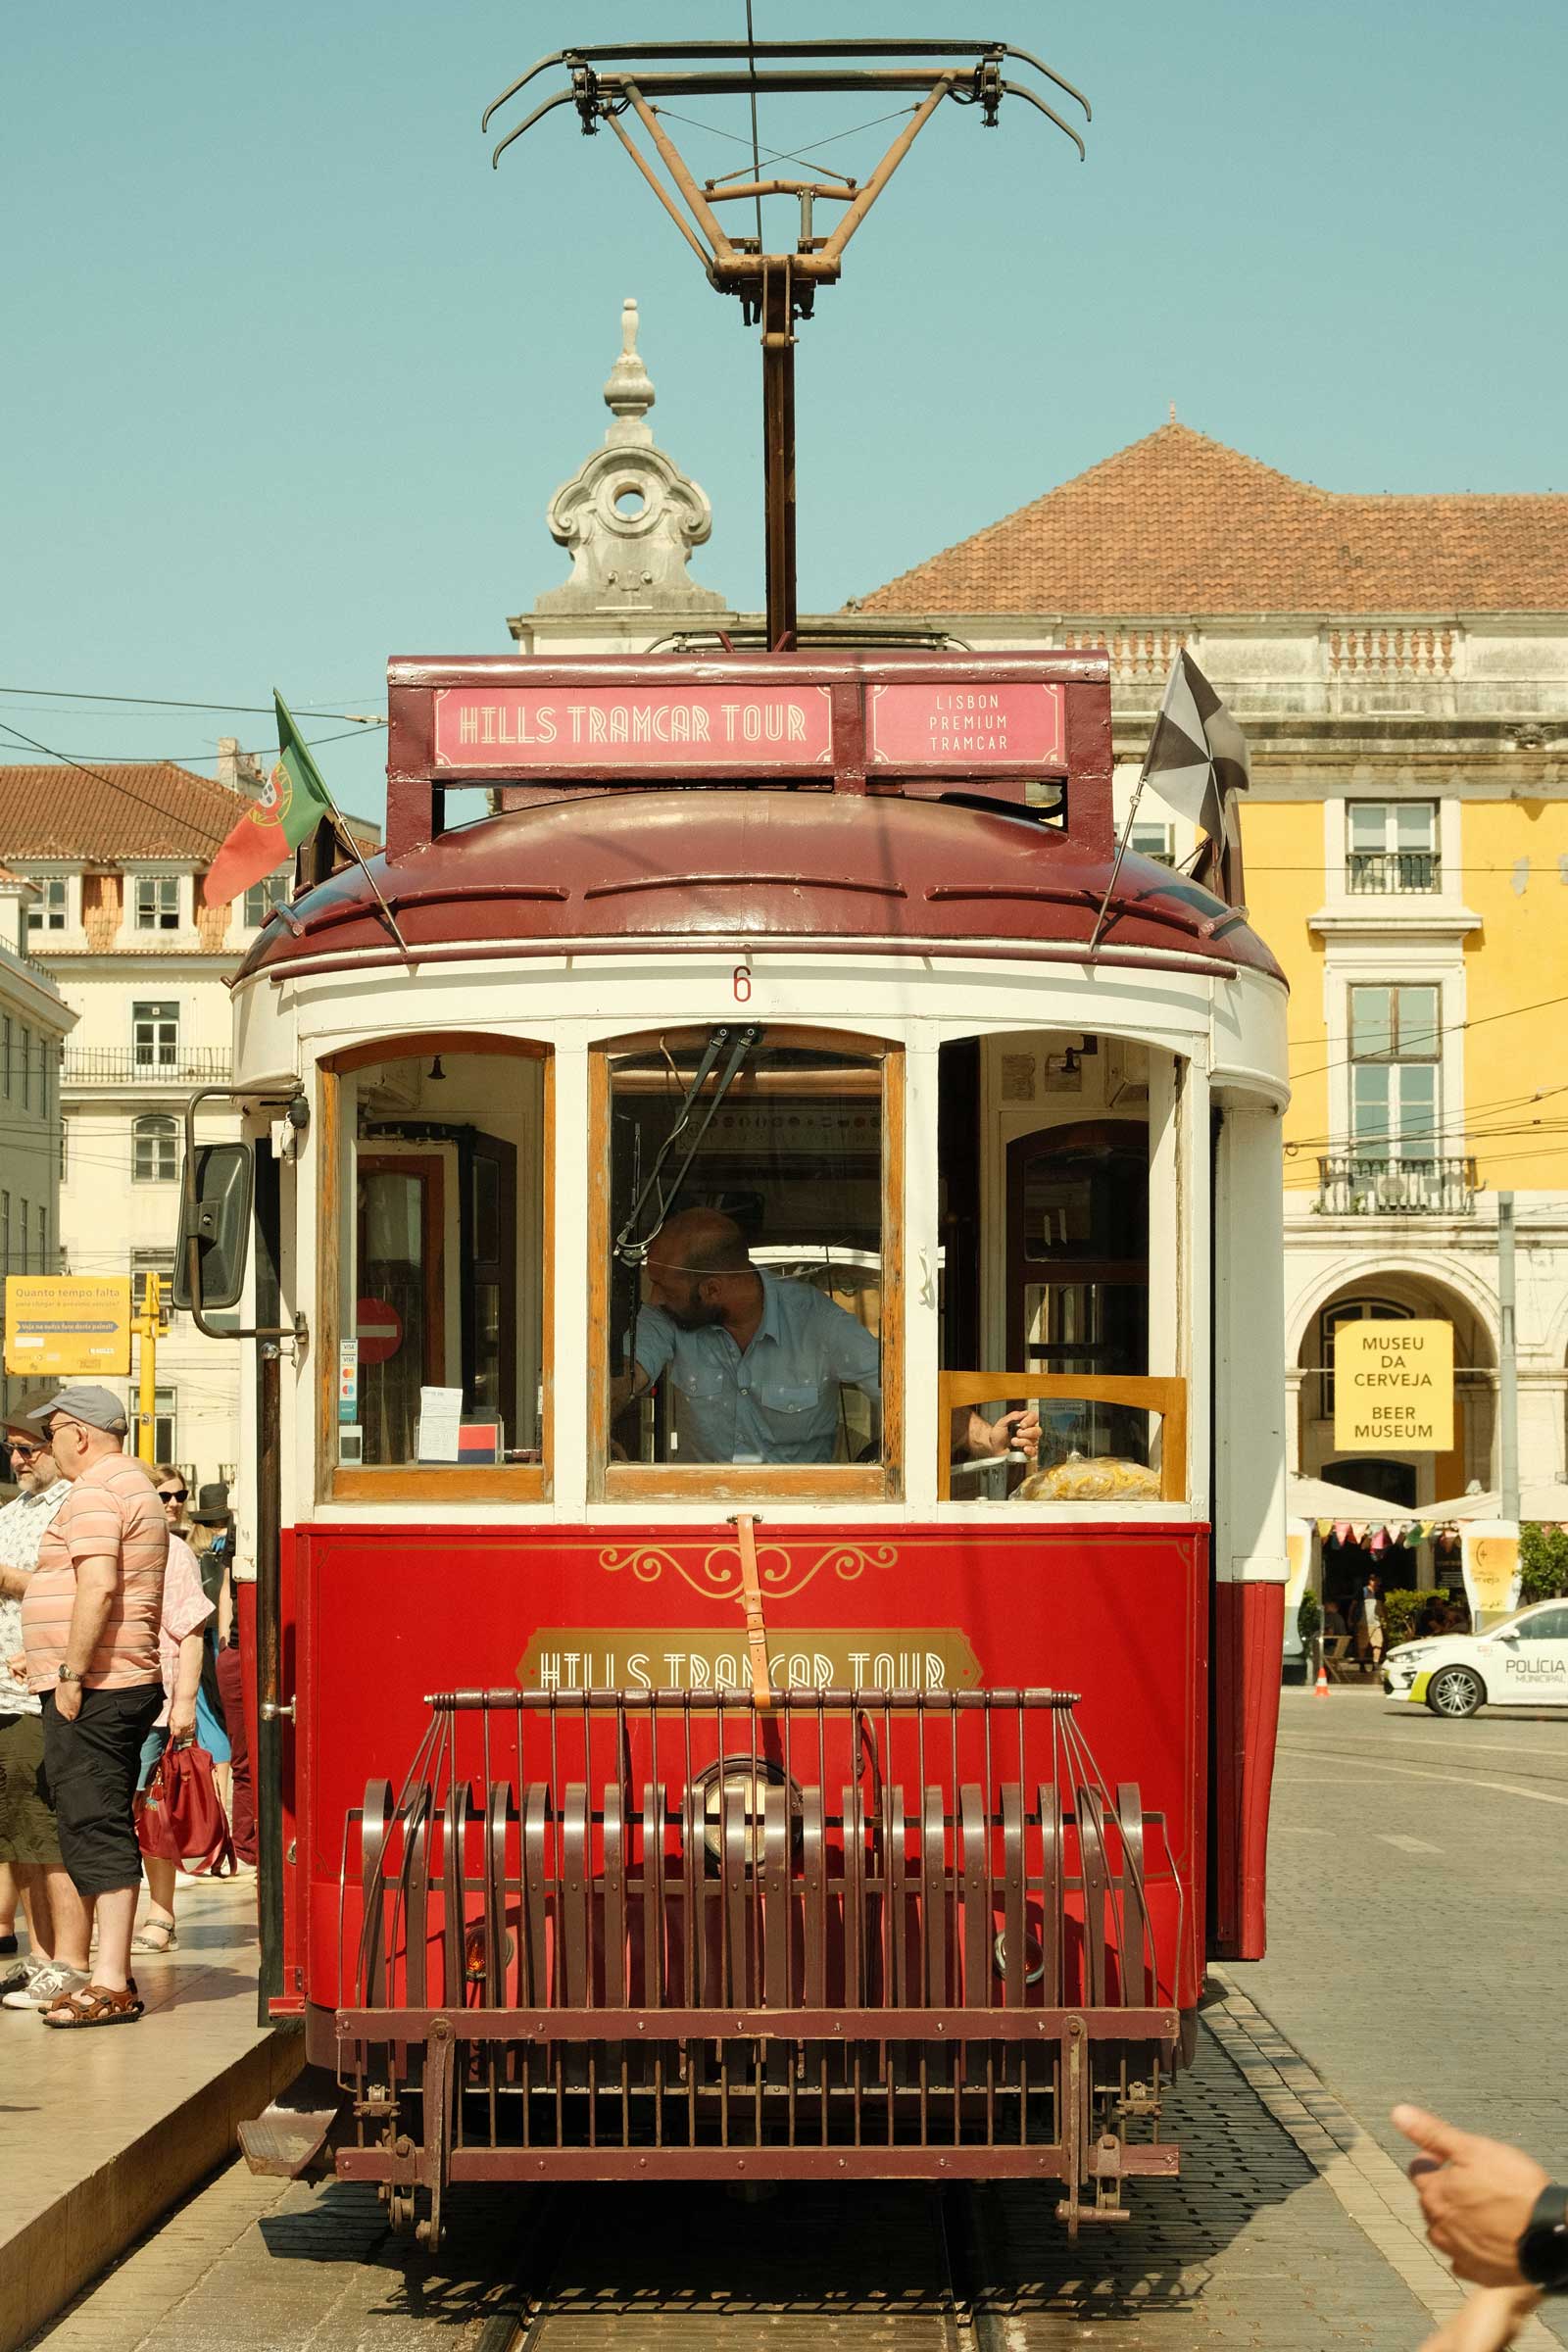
pixel 89 1626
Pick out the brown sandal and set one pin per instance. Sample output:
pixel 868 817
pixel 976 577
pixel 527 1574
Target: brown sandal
pixel 95 2005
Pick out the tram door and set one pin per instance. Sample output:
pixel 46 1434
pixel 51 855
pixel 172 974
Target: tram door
pixel 1077 1273
pixel 419 1324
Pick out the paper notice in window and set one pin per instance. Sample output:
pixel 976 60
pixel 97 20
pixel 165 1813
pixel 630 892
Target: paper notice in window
pixel 440 1417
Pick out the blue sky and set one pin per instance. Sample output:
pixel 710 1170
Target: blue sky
pixel 292 375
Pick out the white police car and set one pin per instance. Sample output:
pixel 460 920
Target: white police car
pixel 1522 1661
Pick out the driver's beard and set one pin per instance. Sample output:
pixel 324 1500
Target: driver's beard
pixel 695 1316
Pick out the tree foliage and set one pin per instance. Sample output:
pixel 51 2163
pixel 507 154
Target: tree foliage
pixel 1543 1563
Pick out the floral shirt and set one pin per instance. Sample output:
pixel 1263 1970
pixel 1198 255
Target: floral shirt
pixel 22 1526
pixel 187 1609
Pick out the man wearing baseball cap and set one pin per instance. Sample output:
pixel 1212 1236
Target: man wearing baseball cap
pixel 89 1625
pixel 28 1840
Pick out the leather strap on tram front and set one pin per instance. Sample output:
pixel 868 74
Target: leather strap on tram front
pixel 745 1525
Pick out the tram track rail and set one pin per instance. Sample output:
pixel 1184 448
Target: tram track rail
pixel 923 2278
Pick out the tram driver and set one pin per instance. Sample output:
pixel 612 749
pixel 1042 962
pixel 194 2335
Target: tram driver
pixel 757 1361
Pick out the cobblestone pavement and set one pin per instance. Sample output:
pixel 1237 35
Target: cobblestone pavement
pixel 1418 1934
pixel 1255 2246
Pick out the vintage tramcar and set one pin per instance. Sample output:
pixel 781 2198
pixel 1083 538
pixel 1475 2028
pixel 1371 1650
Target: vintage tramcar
pixel 859 1795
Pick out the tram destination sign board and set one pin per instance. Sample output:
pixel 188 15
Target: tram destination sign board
pixel 601 728
pixel 919 726
pixel 965 723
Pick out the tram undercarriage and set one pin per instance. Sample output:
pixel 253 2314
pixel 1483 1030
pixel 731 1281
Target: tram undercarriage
pixel 873 1935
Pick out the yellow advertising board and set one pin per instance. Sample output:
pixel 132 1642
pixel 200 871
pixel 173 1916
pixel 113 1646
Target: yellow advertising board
pixel 62 1325
pixel 1393 1388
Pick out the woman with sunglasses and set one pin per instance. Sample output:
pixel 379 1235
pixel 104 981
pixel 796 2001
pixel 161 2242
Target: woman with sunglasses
pixel 173 1494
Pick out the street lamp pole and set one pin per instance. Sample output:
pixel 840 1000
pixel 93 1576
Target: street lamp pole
pixel 1507 1361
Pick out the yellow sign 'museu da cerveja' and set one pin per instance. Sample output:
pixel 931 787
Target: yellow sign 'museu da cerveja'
pixel 1393 1388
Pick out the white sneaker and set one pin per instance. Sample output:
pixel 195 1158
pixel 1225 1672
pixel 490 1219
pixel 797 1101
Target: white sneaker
pixel 48 1982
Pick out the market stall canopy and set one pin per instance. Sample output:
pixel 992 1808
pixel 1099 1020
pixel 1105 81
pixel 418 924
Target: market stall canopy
pixel 1319 1498
pixel 1543 1505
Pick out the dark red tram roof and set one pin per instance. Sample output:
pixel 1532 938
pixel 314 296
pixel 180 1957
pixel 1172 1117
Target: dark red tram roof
pixel 745 799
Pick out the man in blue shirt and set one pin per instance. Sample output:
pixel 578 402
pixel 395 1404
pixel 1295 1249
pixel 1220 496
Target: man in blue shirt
pixel 756 1362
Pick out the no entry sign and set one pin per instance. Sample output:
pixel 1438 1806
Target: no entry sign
pixel 379 1329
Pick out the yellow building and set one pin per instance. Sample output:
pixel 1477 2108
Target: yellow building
pixel 1400 666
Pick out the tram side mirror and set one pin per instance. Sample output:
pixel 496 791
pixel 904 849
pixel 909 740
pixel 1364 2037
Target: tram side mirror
pixel 214 1211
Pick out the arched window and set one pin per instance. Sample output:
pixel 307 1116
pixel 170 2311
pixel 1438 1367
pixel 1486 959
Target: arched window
pixel 152 1150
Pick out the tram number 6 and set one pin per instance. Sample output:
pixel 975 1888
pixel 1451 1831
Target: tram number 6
pixel 742 978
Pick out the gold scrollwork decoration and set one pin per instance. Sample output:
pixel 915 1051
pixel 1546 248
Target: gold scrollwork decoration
pixel 718 1576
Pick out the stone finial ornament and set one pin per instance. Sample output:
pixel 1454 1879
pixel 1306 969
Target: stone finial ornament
pixel 628 515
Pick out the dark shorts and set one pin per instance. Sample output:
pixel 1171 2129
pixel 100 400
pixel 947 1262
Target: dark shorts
pixel 91 1766
pixel 28 1833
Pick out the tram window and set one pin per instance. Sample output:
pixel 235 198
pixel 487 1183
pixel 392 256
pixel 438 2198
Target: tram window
pixel 442 1261
pixel 1045 1271
pixel 743 1256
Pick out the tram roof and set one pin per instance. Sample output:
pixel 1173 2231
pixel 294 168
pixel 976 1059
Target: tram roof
pixel 682 865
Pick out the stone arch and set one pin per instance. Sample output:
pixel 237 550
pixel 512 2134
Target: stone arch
pixel 1414 1286
pixel 1357 1269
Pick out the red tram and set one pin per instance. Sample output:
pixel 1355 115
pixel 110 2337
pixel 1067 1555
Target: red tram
pixel 694 1761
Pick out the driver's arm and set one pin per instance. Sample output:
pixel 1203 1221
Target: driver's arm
pixel 654 1337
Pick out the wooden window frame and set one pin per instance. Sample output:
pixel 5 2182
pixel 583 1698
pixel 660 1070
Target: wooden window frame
pixel 423 1481
pixel 1153 1393
pixel 830 1483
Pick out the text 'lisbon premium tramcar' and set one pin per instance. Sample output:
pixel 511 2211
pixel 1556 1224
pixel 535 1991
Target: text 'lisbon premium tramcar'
pixel 769 1434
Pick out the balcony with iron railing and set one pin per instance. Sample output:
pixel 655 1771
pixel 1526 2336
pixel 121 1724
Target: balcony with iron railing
pixel 145 1065
pixel 1358 1185
pixel 1369 871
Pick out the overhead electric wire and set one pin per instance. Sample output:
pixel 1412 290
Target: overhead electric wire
pixel 784 155
pixel 204 752
pixel 167 701
pixel 1481 1020
pixel 115 783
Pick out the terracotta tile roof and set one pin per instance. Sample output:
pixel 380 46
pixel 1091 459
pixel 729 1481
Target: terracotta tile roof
pixel 123 811
pixel 124 808
pixel 1178 523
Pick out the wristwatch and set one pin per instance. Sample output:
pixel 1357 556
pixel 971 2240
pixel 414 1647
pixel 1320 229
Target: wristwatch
pixel 68 1674
pixel 1543 2247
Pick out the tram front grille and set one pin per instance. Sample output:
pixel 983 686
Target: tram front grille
pixel 668 1922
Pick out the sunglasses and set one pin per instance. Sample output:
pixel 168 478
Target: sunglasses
pixel 22 1451
pixel 172 1494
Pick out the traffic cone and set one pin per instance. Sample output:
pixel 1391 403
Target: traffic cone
pixel 1320 1689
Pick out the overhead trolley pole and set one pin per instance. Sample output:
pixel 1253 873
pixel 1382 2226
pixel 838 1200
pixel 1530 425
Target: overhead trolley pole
pixel 776 290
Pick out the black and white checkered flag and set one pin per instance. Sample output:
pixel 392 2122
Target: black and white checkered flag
pixel 1197 759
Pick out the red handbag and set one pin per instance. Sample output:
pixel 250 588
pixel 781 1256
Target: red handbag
pixel 180 1817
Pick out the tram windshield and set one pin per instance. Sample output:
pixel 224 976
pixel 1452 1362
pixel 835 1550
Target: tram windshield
pixel 441 1260
pixel 744 1255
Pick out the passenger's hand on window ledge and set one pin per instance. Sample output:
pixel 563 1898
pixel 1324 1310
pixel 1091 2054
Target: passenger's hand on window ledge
pixel 1018 1429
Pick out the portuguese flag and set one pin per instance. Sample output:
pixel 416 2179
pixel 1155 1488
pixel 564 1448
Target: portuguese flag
pixel 291 806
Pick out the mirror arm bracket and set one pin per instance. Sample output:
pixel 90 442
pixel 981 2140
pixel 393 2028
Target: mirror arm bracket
pixel 298 1330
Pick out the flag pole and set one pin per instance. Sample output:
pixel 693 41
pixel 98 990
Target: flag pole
pixel 286 719
pixel 391 919
pixel 1122 851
